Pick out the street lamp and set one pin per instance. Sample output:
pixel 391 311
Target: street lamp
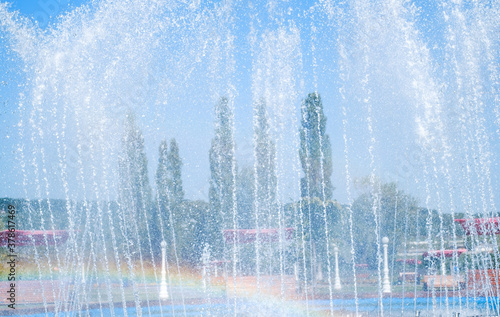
pixel 163 285
pixel 386 286
pixel 337 285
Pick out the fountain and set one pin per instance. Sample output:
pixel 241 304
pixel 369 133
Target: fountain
pixel 238 158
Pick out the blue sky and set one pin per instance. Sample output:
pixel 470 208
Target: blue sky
pixel 180 103
pixel 45 11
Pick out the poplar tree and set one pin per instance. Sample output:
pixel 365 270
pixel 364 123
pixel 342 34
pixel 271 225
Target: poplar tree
pixel 315 150
pixel 265 153
pixel 135 191
pixel 222 178
pixel 174 168
pixel 245 184
pixel 170 192
pixel 162 192
pixel 162 178
pixel 316 188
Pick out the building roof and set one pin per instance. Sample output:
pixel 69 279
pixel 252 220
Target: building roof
pixel 480 226
pixel 446 253
pixel 34 237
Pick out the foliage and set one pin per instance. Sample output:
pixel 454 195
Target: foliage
pixel 222 176
pixel 191 230
pixel 162 181
pixel 174 167
pixel 320 213
pixel 169 174
pixel 136 215
pixel 163 204
pixel 38 210
pixel 245 198
pixel 265 178
pixel 472 260
pixel 315 150
pixel 313 224
pixel 170 193
pixel 383 211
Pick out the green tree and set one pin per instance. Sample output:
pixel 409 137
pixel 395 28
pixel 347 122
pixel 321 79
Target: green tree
pixel 163 197
pixel 310 221
pixel 265 153
pixel 315 150
pixel 169 176
pixel 315 153
pixel 222 176
pixel 174 167
pixel 245 197
pixel 394 209
pixel 191 231
pixel 170 193
pixel 162 178
pixel 137 219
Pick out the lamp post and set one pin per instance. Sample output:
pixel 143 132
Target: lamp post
pixel 163 285
pixel 337 285
pixel 386 285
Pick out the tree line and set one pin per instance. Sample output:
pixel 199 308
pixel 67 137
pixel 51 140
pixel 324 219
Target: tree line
pixel 246 198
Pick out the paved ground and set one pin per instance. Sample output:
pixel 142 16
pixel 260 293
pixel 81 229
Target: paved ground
pixel 37 296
